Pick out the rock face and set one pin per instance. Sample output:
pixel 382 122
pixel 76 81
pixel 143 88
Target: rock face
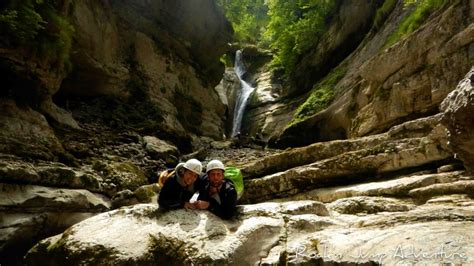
pixel 318 151
pixel 264 114
pixel 142 53
pixel 458 108
pixel 30 213
pixel 386 157
pixel 160 149
pixel 71 137
pixel 142 93
pixel 346 31
pixel 143 47
pixel 26 132
pixel 382 86
pixel 268 233
pixel 227 90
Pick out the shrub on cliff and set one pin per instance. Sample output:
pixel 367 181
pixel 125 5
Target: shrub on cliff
pixel 40 27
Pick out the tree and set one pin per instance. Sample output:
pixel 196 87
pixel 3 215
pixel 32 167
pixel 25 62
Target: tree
pixel 295 27
pixel 248 18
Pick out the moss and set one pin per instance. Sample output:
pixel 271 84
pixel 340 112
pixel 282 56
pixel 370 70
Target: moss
pixel 382 148
pixel 383 12
pixel 321 96
pixel 131 168
pixel 139 176
pixel 421 10
pixel 101 167
pixel 89 181
pixel 144 193
pixel 227 60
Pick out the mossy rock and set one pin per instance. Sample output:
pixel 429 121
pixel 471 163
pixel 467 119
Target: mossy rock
pixel 145 194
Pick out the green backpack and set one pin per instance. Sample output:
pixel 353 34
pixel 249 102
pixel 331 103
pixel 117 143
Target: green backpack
pixel 234 174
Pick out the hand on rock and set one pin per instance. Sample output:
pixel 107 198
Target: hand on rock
pixel 201 205
pixel 189 206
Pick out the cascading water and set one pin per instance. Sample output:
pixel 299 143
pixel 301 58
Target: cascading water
pixel 243 94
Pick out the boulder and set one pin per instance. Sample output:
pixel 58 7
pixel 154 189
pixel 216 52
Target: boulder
pixel 458 187
pixel 118 176
pixel 458 108
pixel 227 90
pixel 153 236
pixel 143 194
pixel 30 213
pixel 160 149
pixel 305 155
pixel 400 187
pixel 49 174
pixel 273 233
pixel 25 132
pixel 389 156
pixel 220 145
pixel 363 204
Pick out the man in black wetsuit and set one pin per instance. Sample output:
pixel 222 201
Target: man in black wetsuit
pixel 216 194
pixel 178 189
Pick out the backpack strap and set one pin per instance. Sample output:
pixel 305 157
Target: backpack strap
pixel 164 175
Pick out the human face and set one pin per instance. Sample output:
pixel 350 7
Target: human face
pixel 216 176
pixel 189 177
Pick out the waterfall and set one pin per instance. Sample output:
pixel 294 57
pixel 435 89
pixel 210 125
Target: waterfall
pixel 243 94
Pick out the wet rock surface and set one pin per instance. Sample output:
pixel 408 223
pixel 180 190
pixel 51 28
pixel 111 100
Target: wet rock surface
pixel 291 232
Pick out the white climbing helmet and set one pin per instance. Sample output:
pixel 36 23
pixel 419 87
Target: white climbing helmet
pixel 214 164
pixel 193 165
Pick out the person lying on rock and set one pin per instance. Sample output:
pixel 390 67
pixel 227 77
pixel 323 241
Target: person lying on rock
pixel 216 194
pixel 178 188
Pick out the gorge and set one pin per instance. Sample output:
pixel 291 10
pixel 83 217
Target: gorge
pixel 362 154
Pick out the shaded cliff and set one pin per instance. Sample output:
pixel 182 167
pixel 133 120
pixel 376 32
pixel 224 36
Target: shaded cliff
pixel 138 53
pixel 95 97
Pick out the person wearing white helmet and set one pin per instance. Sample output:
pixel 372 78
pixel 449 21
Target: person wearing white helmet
pixel 217 194
pixel 178 189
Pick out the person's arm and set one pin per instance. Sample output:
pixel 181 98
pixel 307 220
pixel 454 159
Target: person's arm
pixel 226 209
pixel 170 195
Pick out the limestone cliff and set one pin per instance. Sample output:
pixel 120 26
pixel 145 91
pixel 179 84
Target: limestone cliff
pixel 87 89
pixel 378 86
pixel 140 53
pixel 84 136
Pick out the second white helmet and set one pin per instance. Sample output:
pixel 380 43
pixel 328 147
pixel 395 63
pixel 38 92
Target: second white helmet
pixel 214 164
pixel 193 165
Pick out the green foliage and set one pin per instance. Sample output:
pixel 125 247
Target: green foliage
pixel 321 96
pixel 383 12
pixel 226 60
pixel 22 22
pixel 40 27
pixel 248 18
pixel 295 27
pixel 421 11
